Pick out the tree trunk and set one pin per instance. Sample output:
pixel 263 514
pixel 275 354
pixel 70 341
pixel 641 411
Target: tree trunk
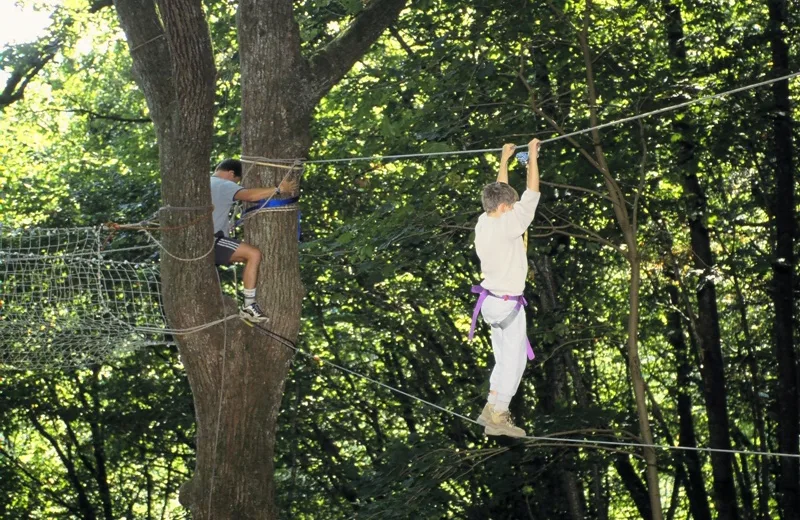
pixel 632 482
pixel 695 487
pixel 553 393
pixel 628 228
pixel 711 364
pixel 756 386
pixel 275 123
pixel 783 267
pixel 237 377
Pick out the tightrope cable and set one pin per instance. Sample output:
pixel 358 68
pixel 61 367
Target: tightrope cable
pixel 563 136
pixel 289 344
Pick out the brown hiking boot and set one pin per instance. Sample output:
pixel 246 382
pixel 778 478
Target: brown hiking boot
pixel 500 424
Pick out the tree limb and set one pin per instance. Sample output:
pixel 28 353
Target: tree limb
pixel 108 117
pixel 39 486
pixel 151 58
pixel 339 56
pixel 97 5
pixel 24 72
pixel 87 511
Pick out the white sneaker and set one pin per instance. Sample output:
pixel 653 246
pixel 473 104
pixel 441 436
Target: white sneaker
pixel 253 313
pixel 500 424
pixel 486 414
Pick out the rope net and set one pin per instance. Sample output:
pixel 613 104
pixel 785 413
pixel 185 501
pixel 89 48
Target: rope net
pixel 65 303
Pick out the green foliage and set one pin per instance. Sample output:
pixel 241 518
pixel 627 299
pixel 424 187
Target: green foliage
pixel 387 260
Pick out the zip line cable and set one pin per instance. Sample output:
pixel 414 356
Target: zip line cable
pixel 290 344
pixel 255 160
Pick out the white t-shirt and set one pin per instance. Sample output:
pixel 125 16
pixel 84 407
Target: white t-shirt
pixel 498 242
pixel 222 192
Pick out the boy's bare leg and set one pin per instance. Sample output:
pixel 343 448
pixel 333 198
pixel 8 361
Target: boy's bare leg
pixel 251 257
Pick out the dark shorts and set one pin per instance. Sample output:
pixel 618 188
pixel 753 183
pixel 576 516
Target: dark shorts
pixel 224 248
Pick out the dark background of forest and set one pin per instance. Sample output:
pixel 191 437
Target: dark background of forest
pixel 387 261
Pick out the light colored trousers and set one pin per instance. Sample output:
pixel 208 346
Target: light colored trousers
pixel 509 346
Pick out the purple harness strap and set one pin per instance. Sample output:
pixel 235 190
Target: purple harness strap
pixel 485 293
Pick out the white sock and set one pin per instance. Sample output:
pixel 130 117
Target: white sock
pixel 502 404
pixel 249 296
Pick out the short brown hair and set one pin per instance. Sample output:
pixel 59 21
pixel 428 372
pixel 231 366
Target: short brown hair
pixel 497 193
pixel 230 165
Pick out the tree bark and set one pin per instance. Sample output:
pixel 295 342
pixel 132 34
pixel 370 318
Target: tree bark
pixel 553 394
pixel 711 364
pixel 783 266
pixel 695 487
pixel 633 484
pixel 237 377
pixel 628 227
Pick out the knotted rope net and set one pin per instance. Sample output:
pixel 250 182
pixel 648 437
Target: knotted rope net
pixel 65 301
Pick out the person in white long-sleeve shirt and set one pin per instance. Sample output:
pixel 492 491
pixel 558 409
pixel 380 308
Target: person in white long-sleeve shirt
pixel 504 267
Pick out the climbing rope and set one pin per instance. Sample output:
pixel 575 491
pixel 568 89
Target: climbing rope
pixel 566 440
pixel 558 137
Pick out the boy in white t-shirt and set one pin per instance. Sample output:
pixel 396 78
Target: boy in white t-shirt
pixel 504 265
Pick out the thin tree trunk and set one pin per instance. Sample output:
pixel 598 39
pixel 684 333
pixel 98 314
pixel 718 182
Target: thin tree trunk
pixel 696 490
pixel 555 373
pixel 742 469
pixel 628 227
pixel 763 477
pixel 783 267
pixel 711 364
pixel 633 484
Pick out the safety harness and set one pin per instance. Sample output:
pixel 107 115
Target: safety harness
pixel 505 322
pixel 270 205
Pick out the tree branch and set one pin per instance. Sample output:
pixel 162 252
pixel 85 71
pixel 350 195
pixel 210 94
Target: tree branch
pixel 97 5
pixel 339 56
pixel 36 484
pixel 151 58
pixel 72 475
pixel 25 70
pixel 109 117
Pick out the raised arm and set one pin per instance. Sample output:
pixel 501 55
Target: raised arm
pixel 533 164
pixel 257 194
pixel 508 151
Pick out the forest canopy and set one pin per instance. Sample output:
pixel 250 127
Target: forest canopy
pixel 662 281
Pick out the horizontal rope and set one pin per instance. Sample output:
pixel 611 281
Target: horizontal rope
pixel 288 343
pixel 271 164
pixel 179 332
pixel 178 258
pixel 563 136
pixel 250 158
pixel 185 208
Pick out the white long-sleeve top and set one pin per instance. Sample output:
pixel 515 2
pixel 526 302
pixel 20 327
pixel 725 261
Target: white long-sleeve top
pixel 498 242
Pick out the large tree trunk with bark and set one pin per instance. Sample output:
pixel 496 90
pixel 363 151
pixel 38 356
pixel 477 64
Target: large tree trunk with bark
pixel 783 266
pixel 708 334
pixel 237 376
